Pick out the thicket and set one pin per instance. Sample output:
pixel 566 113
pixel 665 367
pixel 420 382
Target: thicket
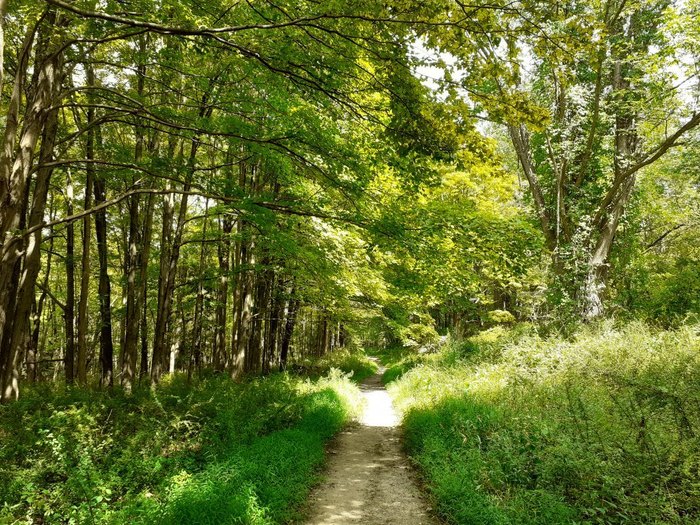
pixel 212 451
pixel 508 427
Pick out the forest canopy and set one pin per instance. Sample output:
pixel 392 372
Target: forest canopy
pixel 189 184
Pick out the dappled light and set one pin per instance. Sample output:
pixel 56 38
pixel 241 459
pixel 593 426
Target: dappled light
pixel 368 478
pixel 349 261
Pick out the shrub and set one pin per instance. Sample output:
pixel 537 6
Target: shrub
pixel 600 428
pixel 214 451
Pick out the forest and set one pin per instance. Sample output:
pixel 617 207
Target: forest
pixel 220 219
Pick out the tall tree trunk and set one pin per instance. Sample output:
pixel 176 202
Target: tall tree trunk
pixel 3 11
pixel 104 289
pixel 243 297
pixel 15 170
pixel 596 276
pixel 86 236
pixel 81 368
pixel 254 353
pixel 288 331
pixel 161 318
pixel 32 257
pixel 69 310
pixel 33 346
pixel 133 310
pixel 142 292
pixel 143 371
pixel 245 307
pixel 199 302
pixel 169 271
pixel 276 308
pixel 224 255
pixel 134 247
pixel 607 219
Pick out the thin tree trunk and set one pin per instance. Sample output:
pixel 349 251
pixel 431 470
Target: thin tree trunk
pixel 3 11
pixel 224 255
pixel 104 290
pixel 170 270
pixel 134 247
pixel 288 331
pixel 85 263
pixel 69 310
pixel 142 291
pixel 245 298
pixel 161 318
pixel 276 308
pixel 143 372
pixel 199 302
pixel 244 261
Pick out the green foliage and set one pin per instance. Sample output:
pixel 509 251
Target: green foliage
pixel 509 427
pixel 657 257
pixel 353 362
pixel 499 316
pixel 397 368
pixel 212 452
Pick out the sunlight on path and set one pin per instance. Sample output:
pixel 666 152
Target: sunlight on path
pixel 379 411
pixel 368 479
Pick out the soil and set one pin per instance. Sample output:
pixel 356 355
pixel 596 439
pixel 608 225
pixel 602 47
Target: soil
pixel 369 479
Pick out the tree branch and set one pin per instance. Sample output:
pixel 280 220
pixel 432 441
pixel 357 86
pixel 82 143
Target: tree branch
pixel 663 236
pixel 662 148
pixel 521 143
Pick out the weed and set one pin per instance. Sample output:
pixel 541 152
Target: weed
pixel 604 427
pixel 214 451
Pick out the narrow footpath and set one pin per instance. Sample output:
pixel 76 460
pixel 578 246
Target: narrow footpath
pixel 368 478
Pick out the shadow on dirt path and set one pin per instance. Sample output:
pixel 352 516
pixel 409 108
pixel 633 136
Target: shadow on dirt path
pixel 368 478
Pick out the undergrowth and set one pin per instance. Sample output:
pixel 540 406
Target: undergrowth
pixel 354 362
pixel 215 451
pixel 604 428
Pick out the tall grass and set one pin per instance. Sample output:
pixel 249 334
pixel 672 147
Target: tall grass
pixel 511 428
pixel 353 362
pixel 213 452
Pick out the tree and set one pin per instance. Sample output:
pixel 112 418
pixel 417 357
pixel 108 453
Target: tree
pixel 590 97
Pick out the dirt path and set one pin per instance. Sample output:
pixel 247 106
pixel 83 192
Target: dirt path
pixel 369 480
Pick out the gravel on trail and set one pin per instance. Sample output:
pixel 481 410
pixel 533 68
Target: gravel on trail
pixel 368 478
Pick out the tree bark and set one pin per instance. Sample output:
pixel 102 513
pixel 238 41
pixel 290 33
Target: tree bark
pixel 135 246
pixel 69 310
pixel 288 331
pixel 224 255
pixel 3 11
pixel 276 308
pixel 15 170
pixel 81 368
pixel 104 289
pixel 161 318
pixel 169 271
pixel 199 302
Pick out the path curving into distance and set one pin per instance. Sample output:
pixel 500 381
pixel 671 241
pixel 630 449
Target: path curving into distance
pixel 368 478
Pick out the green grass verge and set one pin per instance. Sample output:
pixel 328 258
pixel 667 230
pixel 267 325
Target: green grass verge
pixel 214 452
pixel 604 428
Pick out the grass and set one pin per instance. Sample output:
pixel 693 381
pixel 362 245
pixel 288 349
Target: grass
pixel 511 428
pixel 214 452
pixel 355 363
